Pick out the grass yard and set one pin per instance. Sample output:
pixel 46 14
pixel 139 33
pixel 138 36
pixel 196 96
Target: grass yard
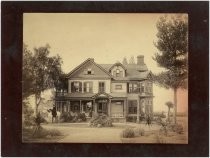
pixel 82 133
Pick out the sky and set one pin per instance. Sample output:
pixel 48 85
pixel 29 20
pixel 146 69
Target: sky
pixel 106 37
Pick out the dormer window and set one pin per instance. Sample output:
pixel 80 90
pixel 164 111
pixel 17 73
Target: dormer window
pixel 117 71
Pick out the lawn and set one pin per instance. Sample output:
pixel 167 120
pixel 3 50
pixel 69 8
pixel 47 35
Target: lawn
pixel 82 133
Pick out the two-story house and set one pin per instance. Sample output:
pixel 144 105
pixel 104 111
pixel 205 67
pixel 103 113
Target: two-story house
pixel 115 89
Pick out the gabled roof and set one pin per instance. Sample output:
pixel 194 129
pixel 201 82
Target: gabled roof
pixel 83 63
pixel 133 72
pixel 118 64
pixel 102 95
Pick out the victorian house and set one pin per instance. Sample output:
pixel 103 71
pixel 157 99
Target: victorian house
pixel 117 90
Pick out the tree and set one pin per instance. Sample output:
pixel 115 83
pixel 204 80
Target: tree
pixel 132 61
pixel 169 105
pixel 40 72
pixel 172 44
pixel 125 62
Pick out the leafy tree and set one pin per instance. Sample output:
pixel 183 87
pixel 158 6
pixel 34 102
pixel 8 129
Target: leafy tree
pixel 40 72
pixel 125 62
pixel 132 60
pixel 172 44
pixel 169 105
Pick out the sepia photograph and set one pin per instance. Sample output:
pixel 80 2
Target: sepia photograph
pixel 105 78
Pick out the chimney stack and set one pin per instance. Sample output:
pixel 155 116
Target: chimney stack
pixel 140 60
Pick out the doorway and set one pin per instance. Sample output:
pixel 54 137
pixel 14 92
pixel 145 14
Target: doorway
pixel 102 108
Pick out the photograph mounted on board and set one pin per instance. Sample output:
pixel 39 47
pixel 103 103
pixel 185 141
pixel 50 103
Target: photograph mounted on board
pixel 105 78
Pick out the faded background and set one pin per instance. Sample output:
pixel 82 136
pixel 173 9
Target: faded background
pixel 105 37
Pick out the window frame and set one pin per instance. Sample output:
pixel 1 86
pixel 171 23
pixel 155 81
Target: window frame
pixel 132 106
pixel 90 87
pixel 117 85
pixel 101 90
pixel 73 89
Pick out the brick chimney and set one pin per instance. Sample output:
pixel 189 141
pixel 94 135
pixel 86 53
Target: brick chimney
pixel 140 60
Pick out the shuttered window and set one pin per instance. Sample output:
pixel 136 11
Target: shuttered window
pixel 88 87
pixel 76 87
pixel 101 87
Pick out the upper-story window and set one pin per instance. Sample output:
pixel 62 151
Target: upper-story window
pixel 133 88
pixel 76 86
pixel 88 87
pixel 141 87
pixel 101 87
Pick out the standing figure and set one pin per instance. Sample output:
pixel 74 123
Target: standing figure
pixel 54 114
pixel 148 120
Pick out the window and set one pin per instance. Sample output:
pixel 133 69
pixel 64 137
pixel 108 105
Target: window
pixel 118 87
pixel 89 71
pixel 118 73
pixel 76 87
pixel 142 87
pixel 101 87
pixel 133 88
pixel 88 87
pixel 132 106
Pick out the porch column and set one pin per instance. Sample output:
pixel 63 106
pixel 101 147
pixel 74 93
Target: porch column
pixel 80 105
pixel 124 108
pixel 138 109
pixel 95 106
pixel 109 108
pixel 69 105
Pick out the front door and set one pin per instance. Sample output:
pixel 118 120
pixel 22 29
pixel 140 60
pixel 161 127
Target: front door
pixel 102 108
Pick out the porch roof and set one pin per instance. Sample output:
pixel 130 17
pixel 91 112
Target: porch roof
pixel 80 95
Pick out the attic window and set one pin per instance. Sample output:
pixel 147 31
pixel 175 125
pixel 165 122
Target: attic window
pixel 117 71
pixel 89 71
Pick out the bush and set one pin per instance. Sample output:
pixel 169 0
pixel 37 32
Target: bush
pixel 82 116
pixel 54 132
pixel 178 128
pixel 39 119
pixel 66 117
pixel 103 120
pixel 128 133
pixel 40 132
pixel 131 118
pixel 139 131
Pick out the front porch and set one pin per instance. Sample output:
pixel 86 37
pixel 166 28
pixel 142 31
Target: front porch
pixel 96 104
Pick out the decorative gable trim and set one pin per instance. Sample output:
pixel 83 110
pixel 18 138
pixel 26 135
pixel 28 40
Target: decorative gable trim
pixel 118 64
pixel 102 95
pixel 83 63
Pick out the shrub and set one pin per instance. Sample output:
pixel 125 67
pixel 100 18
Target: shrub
pixel 66 117
pixel 54 132
pixel 82 116
pixel 131 118
pixel 128 133
pixel 178 128
pixel 40 132
pixel 139 131
pixel 39 119
pixel 103 120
